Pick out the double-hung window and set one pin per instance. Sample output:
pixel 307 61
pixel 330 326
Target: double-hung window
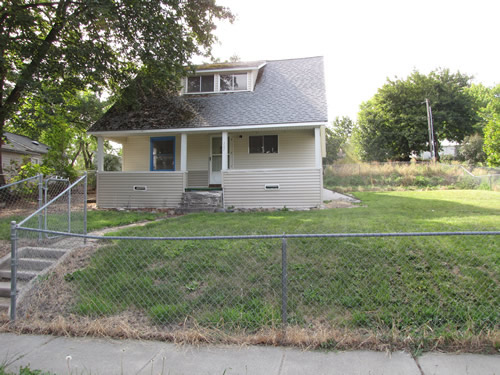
pixel 263 144
pixel 162 154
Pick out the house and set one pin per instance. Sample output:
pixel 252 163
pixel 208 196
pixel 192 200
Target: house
pixel 17 149
pixel 255 130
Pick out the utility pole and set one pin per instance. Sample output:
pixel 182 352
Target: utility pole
pixel 432 144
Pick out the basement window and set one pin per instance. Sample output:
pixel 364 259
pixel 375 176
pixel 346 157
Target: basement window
pixel 263 144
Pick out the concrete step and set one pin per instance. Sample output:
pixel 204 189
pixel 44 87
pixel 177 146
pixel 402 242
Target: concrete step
pixel 40 253
pixel 4 304
pixel 4 289
pixel 21 275
pixel 34 264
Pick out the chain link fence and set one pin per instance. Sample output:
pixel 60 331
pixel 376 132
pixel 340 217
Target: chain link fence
pixel 406 285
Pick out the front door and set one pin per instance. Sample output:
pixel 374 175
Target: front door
pixel 216 159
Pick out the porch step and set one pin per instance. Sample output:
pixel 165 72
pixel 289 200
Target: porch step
pixel 4 304
pixel 197 201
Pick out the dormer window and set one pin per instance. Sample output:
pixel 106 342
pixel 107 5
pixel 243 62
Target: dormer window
pixel 233 82
pixel 201 84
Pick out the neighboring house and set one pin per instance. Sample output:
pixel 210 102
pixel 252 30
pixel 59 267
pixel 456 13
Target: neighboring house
pixel 17 149
pixel 448 148
pixel 254 130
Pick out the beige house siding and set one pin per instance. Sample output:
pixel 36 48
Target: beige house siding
pixel 198 152
pixel 163 189
pixel 298 188
pixel 197 179
pixel 295 150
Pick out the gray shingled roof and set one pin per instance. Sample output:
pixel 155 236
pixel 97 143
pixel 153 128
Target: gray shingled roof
pixel 23 145
pixel 286 91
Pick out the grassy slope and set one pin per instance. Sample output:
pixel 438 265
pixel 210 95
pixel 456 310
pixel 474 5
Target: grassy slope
pixel 448 283
pixel 97 219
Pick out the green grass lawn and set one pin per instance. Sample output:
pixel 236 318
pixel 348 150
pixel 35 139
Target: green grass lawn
pixel 96 219
pixel 428 286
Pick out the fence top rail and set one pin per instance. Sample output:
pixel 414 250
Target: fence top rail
pixel 53 200
pixel 20 182
pixel 265 236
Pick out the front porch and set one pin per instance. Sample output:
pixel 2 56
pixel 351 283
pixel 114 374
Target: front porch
pixel 272 168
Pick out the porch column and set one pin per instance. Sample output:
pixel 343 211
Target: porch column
pixel 183 152
pixel 317 148
pixel 100 154
pixel 224 151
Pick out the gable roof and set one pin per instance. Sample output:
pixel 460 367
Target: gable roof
pixel 286 92
pixel 23 145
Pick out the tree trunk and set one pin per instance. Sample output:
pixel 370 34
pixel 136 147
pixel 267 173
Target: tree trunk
pixel 2 177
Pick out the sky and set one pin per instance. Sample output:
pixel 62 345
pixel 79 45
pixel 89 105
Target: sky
pixel 364 42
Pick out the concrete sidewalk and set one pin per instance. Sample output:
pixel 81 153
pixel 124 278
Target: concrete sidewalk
pixel 105 356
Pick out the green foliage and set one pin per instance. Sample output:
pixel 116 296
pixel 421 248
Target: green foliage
pixel 337 137
pixel 72 46
pixel 492 140
pixel 488 107
pixel 31 170
pixel 393 124
pixel 471 150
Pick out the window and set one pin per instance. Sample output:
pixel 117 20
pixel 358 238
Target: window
pixel 233 82
pixel 162 154
pixel 200 84
pixel 263 144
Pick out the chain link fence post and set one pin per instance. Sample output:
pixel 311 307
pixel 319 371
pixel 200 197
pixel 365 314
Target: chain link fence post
pixel 85 207
pixel 40 204
pixel 284 283
pixel 13 270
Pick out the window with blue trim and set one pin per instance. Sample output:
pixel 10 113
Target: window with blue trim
pixel 163 154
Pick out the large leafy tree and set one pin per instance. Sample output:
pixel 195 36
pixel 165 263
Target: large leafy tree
pixel 393 124
pixel 75 45
pixel 337 137
pixel 488 103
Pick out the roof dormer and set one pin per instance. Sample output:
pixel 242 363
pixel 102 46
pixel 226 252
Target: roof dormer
pixel 222 78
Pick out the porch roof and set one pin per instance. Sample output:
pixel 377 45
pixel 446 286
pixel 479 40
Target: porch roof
pixel 286 92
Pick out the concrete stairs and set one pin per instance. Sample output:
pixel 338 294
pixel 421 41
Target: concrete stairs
pixel 198 201
pixel 32 261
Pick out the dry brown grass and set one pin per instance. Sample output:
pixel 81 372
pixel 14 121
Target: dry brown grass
pixel 129 325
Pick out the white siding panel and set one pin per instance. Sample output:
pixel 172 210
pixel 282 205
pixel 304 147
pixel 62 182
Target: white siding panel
pixel 116 189
pixel 295 150
pixel 197 179
pixel 298 188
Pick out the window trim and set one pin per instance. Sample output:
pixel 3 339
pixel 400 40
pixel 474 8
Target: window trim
pixel 151 156
pixel 263 152
pixel 217 89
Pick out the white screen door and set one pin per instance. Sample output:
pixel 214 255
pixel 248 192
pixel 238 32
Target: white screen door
pixel 216 160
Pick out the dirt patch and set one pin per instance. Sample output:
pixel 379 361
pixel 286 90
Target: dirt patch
pixel 339 204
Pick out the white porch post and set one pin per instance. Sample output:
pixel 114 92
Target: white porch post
pixel 183 152
pixel 224 151
pixel 100 154
pixel 317 148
